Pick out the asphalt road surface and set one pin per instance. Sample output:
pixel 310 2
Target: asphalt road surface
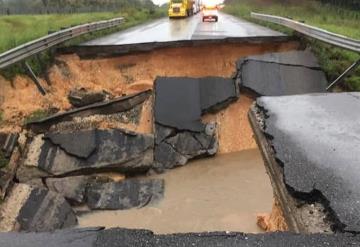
pixel 192 28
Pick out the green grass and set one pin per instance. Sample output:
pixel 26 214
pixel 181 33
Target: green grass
pixel 3 161
pixel 20 29
pixel 36 115
pixel 346 22
pixel 24 28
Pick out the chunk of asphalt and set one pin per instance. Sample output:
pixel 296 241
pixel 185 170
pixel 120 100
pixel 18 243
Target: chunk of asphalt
pixel 296 58
pixel 278 74
pixel 166 157
pixel 80 143
pixel 71 188
pixel 121 237
pixel 216 93
pixel 120 104
pixel 116 150
pixel 176 148
pixel 316 138
pixel 130 193
pixel 162 132
pixel 30 208
pixel 82 97
pixel 177 103
pixel 180 101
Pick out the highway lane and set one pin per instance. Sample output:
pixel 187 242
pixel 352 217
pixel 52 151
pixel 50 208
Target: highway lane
pixel 192 28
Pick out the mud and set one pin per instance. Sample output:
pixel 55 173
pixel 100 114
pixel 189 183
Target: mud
pixel 224 193
pixel 120 75
pixel 234 131
pixel 274 221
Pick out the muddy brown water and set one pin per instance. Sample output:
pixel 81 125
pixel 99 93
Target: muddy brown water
pixel 223 193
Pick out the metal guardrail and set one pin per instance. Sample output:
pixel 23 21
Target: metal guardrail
pixel 314 32
pixel 31 48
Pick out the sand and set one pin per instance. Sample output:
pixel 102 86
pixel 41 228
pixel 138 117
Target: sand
pixel 120 75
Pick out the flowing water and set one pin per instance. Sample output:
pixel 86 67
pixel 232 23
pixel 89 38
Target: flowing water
pixel 223 193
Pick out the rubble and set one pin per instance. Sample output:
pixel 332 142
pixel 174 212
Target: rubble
pixel 284 73
pixel 175 150
pixel 73 189
pixel 82 97
pixel 116 105
pixel 180 134
pixel 114 149
pixel 8 143
pixel 130 193
pixel 34 209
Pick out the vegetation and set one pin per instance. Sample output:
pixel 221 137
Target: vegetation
pixel 24 28
pixel 11 7
pixel 3 161
pixel 36 115
pixel 327 16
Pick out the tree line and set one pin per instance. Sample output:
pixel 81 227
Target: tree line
pixel 11 7
pixel 353 4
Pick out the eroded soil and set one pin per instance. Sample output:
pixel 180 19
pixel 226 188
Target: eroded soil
pixel 120 75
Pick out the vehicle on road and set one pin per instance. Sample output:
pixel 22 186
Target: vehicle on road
pixel 210 13
pixel 183 8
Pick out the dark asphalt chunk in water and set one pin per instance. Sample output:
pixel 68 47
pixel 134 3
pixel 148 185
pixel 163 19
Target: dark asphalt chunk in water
pixel 285 73
pixel 317 138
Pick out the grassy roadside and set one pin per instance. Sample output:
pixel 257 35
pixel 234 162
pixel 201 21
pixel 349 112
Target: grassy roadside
pixel 343 21
pixel 24 28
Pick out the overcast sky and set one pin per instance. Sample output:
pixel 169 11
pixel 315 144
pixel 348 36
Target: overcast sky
pixel 165 1
pixel 159 2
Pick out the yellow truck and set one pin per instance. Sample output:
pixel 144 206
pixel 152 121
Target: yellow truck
pixel 182 8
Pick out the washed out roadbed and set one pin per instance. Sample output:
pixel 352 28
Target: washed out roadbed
pixel 114 121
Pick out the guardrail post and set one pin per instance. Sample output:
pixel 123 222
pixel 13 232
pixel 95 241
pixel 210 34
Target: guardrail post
pixel 343 75
pixel 34 78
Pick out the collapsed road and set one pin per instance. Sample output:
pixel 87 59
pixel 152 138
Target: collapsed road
pixel 313 144
pixel 119 120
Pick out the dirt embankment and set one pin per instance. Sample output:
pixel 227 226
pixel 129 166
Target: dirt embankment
pixel 129 74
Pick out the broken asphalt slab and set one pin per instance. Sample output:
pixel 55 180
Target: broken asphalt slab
pixel 175 148
pixel 316 139
pixel 180 101
pixel 116 237
pixel 284 73
pixel 35 209
pixel 81 144
pixel 99 192
pixel 103 108
pixel 130 193
pixel 115 150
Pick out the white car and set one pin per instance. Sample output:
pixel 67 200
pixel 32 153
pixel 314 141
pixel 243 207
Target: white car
pixel 210 14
